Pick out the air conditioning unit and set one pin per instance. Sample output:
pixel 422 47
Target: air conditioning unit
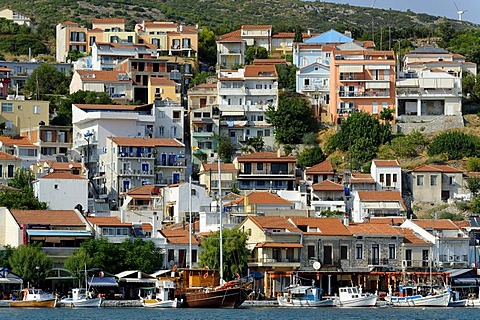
pixel 404 264
pixel 311 262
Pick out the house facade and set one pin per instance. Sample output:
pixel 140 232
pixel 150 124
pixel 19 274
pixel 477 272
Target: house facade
pixel 117 85
pixel 53 140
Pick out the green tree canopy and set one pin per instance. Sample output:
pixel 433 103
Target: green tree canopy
pixel 207 47
pixel 454 144
pixel 408 146
pixel 298 37
pixel 78 262
pixel 226 148
pixel 286 76
pixel 254 144
pixel 46 80
pixel 361 135
pixel 473 185
pixel 255 52
pixel 30 262
pixel 21 195
pixel 235 252
pixel 310 156
pixel 5 254
pixel 292 119
pixel 473 164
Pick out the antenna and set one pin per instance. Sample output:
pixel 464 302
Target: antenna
pixel 459 12
pixel 373 4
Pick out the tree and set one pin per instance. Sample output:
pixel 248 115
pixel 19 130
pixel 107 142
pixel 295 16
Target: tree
pixel 5 254
pixel 78 262
pixel 310 156
pixel 46 80
pixel 361 135
pixel 310 139
pixel 226 148
pixel 141 255
pixel 286 76
pixel 105 255
pixel 22 178
pixel 298 34
pixel 30 262
pixel 292 119
pixel 473 164
pixel 207 47
pixel 235 252
pixel 255 144
pixel 473 185
pixel 387 114
pixel 475 207
pixel 21 195
pixel 408 146
pixel 255 52
pixel 201 77
pixel 454 144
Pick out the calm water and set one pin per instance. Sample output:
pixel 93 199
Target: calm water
pixel 243 313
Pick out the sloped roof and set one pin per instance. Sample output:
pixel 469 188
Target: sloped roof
pixel 439 224
pixel 330 36
pixel 63 175
pixel 224 167
pixel 144 192
pixel 260 198
pixel 51 217
pixel 114 107
pixel 264 70
pixel 102 76
pixel 324 167
pixel 234 36
pixel 411 237
pixel 178 235
pixel 273 223
pixel 256 27
pixel 386 163
pixel 428 50
pixel 109 20
pixel 107 222
pixel 160 24
pixel 64 166
pixel 361 178
pixel 7 156
pixel 146 142
pixel 390 195
pixel 373 229
pixel 265 156
pixel 437 168
pixel 16 141
pixel 387 220
pixel 327 185
pixel 161 81
pixel 327 226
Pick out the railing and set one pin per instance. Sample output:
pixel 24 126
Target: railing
pixel 256 173
pixel 358 94
pixel 271 260
pixel 377 262
pixel 415 263
pixel 160 163
pixel 136 172
pixel 59 251
pixel 314 88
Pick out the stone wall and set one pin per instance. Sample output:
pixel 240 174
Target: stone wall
pixel 427 124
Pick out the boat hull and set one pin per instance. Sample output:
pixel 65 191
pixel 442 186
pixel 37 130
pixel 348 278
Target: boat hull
pixel 153 303
pixel 33 304
pixel 366 301
pixel 222 298
pixel 439 300
pixel 81 303
pixel 300 303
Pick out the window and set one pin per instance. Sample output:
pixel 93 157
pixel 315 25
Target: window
pixel 392 252
pixel 55 187
pixel 48 136
pixel 253 118
pixel 7 107
pixel 194 255
pixel 260 133
pixel 374 107
pixel 394 177
pixel 451 180
pixel 161 131
pixel 176 114
pixel 197 114
pixel 343 252
pixel 433 180
pixel 419 180
pixel 259 118
pixel 232 134
pixel 36 109
pixel 1 170
pixel 259 166
pixel 311 252
pixel 359 251
pixel 267 133
pixel 161 114
pixel 382 178
pixel 384 105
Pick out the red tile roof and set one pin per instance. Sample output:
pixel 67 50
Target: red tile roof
pixel 361 178
pixel 387 220
pixel 440 224
pixel 265 156
pixel 109 20
pixel 327 226
pixel 102 76
pixel 160 24
pixel 107 107
pixel 411 237
pixel 7 156
pixel 324 167
pixel 278 245
pixel 272 61
pixel 273 223
pixel 327 185
pixel 389 195
pixel 256 27
pixel 107 222
pixel 64 166
pixel 260 198
pixel 373 229
pixel 386 163
pixel 178 235
pixel 264 70
pixel 224 167
pixel 437 168
pixel 63 175
pixel 16 141
pixel 146 142
pixel 146 226
pixel 162 81
pixel 234 36
pixel 66 218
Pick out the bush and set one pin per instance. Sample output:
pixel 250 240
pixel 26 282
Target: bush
pixel 454 144
pixel 473 164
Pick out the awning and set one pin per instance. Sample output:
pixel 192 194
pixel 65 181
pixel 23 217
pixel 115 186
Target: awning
pixel 137 280
pixel 256 275
pixel 378 67
pixel 351 68
pixel 235 113
pixel 58 233
pixel 102 282
pixel 466 282
pixel 381 205
pixel 278 245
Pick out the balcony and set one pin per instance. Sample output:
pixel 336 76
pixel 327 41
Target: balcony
pixel 378 262
pixel 406 264
pixel 363 94
pixel 315 88
pixel 135 155
pixel 130 172
pixel 59 252
pixel 160 163
pixel 270 262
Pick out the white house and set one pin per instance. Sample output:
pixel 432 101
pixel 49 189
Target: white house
pixel 62 190
pixel 178 203
pixel 387 174
pixel 367 204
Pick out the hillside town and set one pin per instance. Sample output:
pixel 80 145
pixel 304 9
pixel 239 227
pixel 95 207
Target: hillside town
pixel 149 166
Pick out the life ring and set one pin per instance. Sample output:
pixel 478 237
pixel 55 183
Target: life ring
pixel 174 267
pixel 288 299
pixel 205 276
pixel 25 294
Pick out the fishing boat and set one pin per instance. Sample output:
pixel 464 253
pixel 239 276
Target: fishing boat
pixel 412 295
pixel 354 297
pixel 161 296
pixel 456 301
pixel 81 299
pixel 34 298
pixel 303 296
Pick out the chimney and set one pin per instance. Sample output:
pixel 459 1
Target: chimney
pixel 348 33
pixel 181 27
pixel 346 220
pixel 309 32
pixel 122 215
pixel 196 26
pixel 154 225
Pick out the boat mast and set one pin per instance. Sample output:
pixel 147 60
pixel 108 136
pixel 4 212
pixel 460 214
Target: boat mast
pixel 190 222
pixel 221 222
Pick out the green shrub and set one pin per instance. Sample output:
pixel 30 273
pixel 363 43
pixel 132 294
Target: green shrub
pixel 454 144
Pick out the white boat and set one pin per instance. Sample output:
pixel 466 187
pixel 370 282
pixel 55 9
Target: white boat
pixel 303 296
pixel 455 300
pixel 354 297
pixel 161 296
pixel 418 296
pixel 81 299
pixel 34 298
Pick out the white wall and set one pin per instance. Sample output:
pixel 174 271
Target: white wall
pixel 10 233
pixel 62 194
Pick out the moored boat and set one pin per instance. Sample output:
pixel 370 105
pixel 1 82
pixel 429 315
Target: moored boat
pixel 354 297
pixel 303 296
pixel 418 296
pixel 161 296
pixel 229 295
pixel 34 298
pixel 80 299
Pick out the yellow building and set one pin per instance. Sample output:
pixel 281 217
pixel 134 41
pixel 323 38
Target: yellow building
pixel 23 114
pixel 163 88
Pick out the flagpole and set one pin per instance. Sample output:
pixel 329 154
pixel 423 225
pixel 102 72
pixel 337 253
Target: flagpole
pixel 190 222
pixel 221 220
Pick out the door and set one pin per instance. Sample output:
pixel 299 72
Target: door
pixel 375 257
pixel 327 255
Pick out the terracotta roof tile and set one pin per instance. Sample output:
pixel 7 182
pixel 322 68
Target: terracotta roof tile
pixel 387 220
pixel 373 229
pixel 142 190
pixel 273 223
pixel 224 167
pixel 16 141
pixel 361 178
pixel 146 142
pixel 256 27
pixel 327 185
pixel 160 24
pixel 107 222
pixel 440 224
pixel 113 107
pixel 271 61
pixel 437 168
pixel 52 217
pixel 389 195
pixel 146 226
pixel 265 156
pixel 178 236
pixel 260 198
pixel 7 156
pixel 103 76
pixel 234 36
pixel 254 71
pixel 411 237
pixel 161 81
pixel 278 245
pixel 64 166
pixel 324 167
pixel 386 163
pixel 109 20
pixel 63 175
pixel 325 226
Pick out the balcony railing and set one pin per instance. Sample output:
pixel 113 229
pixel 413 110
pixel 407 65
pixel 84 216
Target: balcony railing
pixel 378 262
pixel 415 263
pixel 136 172
pixel 366 94
pixel 271 260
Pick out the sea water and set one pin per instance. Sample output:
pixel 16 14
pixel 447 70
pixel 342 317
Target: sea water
pixel 276 313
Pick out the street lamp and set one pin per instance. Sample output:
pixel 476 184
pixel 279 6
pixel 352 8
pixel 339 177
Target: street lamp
pixel 87 137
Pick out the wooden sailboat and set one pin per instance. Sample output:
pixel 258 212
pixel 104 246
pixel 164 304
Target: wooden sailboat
pixel 34 298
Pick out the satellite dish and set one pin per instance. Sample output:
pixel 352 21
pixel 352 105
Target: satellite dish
pixel 70 166
pixel 317 265
pixel 51 170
